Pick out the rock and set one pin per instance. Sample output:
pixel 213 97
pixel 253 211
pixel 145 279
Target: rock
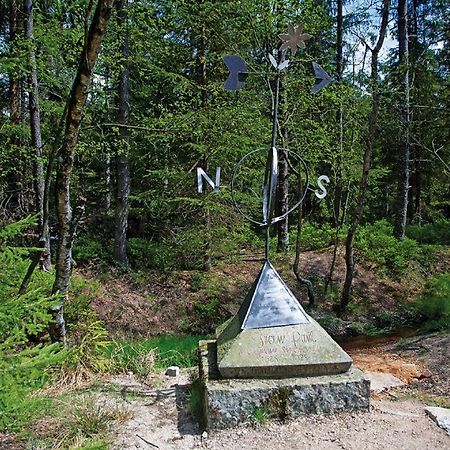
pixel 173 371
pixel 380 381
pixel 205 435
pixel 441 416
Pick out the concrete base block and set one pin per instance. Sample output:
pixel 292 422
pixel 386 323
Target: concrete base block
pixel 230 402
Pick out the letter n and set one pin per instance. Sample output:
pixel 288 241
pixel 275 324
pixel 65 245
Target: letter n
pixel 202 175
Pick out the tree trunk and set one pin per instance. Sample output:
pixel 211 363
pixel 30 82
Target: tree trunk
pixel 123 171
pixel 349 259
pixel 283 176
pixel 203 81
pixel 74 110
pixel 300 279
pixel 404 145
pixel 14 91
pixel 36 139
pixel 338 191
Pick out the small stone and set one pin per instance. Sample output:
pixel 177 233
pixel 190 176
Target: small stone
pixel 173 371
pixel 441 416
pixel 205 435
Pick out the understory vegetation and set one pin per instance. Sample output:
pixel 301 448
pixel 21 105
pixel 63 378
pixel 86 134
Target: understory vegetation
pixel 115 258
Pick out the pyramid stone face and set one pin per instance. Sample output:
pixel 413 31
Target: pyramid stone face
pixel 273 337
pixel 279 352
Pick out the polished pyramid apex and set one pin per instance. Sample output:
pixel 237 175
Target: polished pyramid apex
pixel 270 303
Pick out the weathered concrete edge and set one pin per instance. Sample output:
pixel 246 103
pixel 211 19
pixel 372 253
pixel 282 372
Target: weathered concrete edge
pixel 230 402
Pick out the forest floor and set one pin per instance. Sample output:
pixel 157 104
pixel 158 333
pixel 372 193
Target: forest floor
pixel 397 420
pixel 149 303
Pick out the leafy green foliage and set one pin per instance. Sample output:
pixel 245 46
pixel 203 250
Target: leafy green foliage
pixel 376 243
pixel 434 304
pixel 315 237
pixel 430 233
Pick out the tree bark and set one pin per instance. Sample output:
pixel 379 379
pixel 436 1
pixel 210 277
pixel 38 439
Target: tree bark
pixel 203 81
pixel 338 191
pixel 77 99
pixel 283 176
pixel 36 138
pixel 404 144
pixel 123 171
pixel 14 91
pixel 349 259
pixel 300 279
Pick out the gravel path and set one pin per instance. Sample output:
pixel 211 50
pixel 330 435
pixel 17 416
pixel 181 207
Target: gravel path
pixel 161 421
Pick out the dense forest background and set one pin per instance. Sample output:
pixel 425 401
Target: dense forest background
pixel 108 108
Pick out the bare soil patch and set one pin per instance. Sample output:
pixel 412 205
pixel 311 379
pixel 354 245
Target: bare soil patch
pixel 150 303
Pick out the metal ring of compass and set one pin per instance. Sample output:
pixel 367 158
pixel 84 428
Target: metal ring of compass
pixel 270 186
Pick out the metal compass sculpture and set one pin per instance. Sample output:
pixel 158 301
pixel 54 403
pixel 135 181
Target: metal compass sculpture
pixel 238 74
pixel 269 303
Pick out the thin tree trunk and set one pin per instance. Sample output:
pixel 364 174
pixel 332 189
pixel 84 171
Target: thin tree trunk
pixel 67 222
pixel 300 279
pixel 283 176
pixel 349 259
pixel 338 192
pixel 404 145
pixel 123 171
pixel 203 81
pixel 14 105
pixel 36 139
pixel 14 91
pixel 107 180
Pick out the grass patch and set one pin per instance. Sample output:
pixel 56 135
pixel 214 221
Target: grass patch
pixel 260 415
pixel 195 399
pixel 81 422
pixel 158 352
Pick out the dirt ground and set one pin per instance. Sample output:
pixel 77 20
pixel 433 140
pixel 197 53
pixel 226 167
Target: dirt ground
pixel 397 419
pixel 166 303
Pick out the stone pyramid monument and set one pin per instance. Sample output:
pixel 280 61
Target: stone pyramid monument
pixel 272 336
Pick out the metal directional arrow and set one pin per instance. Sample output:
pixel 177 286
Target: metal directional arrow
pixel 322 78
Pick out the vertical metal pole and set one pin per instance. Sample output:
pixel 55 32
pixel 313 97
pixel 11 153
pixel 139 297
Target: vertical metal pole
pixel 274 139
pixel 275 109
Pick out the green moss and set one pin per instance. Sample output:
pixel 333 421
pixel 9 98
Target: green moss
pixel 277 403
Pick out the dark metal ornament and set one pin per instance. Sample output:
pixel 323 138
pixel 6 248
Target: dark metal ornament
pixel 238 72
pixel 322 78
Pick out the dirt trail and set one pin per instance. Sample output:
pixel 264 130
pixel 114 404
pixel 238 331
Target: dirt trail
pixel 397 419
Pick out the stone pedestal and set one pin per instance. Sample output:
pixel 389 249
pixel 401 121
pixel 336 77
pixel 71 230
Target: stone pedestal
pixel 229 402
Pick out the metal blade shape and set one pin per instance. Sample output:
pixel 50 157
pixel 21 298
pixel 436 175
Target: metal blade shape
pixel 322 78
pixel 238 72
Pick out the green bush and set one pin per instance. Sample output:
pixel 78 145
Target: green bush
pixel 88 250
pixel 376 243
pixel 430 233
pixel 146 254
pixel 314 237
pixel 434 304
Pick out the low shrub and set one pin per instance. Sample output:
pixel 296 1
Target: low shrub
pixel 434 304
pixel 88 250
pixel 376 243
pixel 430 233
pixel 315 237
